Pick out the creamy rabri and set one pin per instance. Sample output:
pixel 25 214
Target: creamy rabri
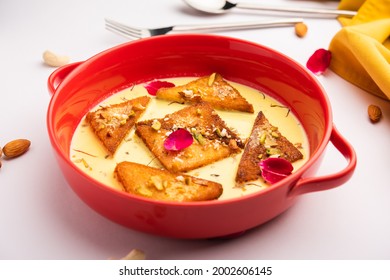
pixel 90 156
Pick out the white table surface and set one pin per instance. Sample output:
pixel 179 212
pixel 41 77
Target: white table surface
pixel 42 218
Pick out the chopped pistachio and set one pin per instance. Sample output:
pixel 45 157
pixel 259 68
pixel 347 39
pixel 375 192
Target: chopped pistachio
pixel 273 151
pixel 270 142
pixel 221 133
pixel 199 137
pixel 263 137
pixel 275 134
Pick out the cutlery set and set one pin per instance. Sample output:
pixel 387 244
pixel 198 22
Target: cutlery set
pixel 223 6
pixel 132 33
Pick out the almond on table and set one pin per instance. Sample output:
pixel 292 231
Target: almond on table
pixel 374 113
pixel 16 148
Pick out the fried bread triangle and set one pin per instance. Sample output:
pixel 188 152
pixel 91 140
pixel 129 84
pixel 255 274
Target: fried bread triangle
pixel 265 141
pixel 212 89
pixel 111 124
pixel 161 184
pixel 213 140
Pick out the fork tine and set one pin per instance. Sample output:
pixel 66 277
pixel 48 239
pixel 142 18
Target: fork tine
pixel 121 33
pixel 133 30
pixel 124 30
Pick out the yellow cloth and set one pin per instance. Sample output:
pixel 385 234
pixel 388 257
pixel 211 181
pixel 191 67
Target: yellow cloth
pixel 361 49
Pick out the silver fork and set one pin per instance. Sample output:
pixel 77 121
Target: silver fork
pixel 133 33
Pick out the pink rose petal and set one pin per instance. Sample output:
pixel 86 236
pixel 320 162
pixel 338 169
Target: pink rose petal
pixel 178 140
pixel 153 86
pixel 275 169
pixel 272 177
pixel 319 61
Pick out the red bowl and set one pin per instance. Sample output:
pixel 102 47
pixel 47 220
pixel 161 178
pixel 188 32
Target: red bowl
pixel 77 87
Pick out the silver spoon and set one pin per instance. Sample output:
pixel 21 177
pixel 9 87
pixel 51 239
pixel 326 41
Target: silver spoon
pixel 223 6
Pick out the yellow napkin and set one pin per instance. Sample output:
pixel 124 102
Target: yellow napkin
pixel 361 49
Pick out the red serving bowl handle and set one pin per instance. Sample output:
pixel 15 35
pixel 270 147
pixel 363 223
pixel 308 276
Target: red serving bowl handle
pixel 56 78
pixel 313 184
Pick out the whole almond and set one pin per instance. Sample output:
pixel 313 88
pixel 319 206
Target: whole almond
pixel 374 113
pixel 300 29
pixel 16 148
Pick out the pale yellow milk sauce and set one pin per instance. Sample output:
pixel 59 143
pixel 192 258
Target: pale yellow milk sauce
pixel 90 156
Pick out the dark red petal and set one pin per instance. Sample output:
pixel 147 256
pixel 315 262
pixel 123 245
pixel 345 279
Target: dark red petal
pixel 272 177
pixel 178 140
pixel 278 165
pixel 275 169
pixel 319 61
pixel 153 86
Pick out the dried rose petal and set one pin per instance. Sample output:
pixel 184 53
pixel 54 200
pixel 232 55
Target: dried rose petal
pixel 275 169
pixel 153 86
pixel 178 140
pixel 319 61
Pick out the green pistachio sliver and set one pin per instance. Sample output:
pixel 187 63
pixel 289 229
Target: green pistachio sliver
pixel 263 137
pixel 275 134
pixel 221 133
pixel 199 137
pixel 273 151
